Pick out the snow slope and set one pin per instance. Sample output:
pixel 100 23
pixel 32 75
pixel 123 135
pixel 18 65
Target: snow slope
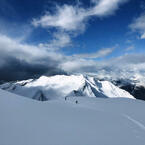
pixel 60 86
pixel 92 121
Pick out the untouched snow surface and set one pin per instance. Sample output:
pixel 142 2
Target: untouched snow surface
pixel 92 121
pixel 59 86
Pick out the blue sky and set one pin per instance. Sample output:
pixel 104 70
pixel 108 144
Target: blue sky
pixel 85 31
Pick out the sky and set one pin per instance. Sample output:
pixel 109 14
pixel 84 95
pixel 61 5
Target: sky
pixel 48 37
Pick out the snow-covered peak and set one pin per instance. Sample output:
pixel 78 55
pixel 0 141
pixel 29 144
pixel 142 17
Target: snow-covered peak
pixel 111 90
pixel 60 86
pixel 58 81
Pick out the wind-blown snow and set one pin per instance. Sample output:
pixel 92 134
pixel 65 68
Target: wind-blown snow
pixel 92 121
pixel 61 86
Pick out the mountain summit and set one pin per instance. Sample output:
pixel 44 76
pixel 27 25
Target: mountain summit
pixel 63 86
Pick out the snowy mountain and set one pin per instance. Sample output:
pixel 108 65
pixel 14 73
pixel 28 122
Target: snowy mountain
pixel 92 121
pixel 134 87
pixel 63 86
pixel 134 83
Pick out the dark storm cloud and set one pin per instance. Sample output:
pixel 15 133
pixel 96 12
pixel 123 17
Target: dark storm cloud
pixel 21 61
pixel 14 69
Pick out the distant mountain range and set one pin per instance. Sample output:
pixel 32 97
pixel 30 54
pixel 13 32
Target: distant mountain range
pixel 64 86
pixel 134 88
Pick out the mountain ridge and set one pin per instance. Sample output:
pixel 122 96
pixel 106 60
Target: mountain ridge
pixel 61 86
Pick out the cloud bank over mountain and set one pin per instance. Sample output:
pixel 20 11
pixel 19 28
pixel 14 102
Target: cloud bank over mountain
pixel 20 61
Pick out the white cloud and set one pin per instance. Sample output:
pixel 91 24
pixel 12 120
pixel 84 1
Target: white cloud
pixel 23 61
pixel 98 54
pixel 11 48
pixel 66 17
pixel 127 66
pixel 32 54
pixel 105 7
pixel 69 19
pixel 60 40
pixel 73 18
pixel 130 66
pixel 77 65
pixel 130 48
pixel 138 25
pixel 143 36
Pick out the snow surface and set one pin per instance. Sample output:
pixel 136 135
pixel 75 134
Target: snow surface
pixel 92 121
pixel 60 86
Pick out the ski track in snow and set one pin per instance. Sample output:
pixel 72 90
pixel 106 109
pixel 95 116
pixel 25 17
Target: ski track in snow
pixel 139 124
